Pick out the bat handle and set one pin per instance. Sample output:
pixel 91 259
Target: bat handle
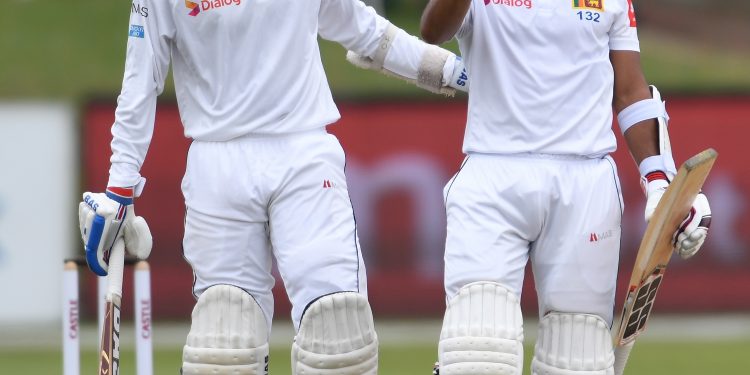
pixel 621 357
pixel 116 269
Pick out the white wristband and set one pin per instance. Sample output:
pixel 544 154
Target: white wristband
pixel 657 163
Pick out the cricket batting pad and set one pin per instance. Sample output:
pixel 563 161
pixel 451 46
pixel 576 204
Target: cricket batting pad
pixel 482 332
pixel 336 337
pixel 228 334
pixel 573 344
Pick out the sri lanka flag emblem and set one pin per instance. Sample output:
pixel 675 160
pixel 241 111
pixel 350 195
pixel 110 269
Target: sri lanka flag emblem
pixel 194 8
pixel 589 4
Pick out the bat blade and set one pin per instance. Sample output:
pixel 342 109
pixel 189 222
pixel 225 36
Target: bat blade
pixel 656 250
pixel 109 355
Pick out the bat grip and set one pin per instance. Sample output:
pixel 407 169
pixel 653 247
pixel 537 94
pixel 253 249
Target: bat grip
pixel 116 269
pixel 621 357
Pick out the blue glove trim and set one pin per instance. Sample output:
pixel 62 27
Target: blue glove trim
pixel 95 236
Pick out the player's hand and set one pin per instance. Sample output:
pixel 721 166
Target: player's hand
pixel 106 217
pixel 692 232
pixel 694 229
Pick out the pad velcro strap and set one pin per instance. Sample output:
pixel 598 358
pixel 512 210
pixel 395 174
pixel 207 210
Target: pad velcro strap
pixel 640 111
pixel 224 360
pixel 378 58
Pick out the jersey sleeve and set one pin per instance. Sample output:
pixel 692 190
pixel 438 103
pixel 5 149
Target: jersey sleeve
pixel 150 35
pixel 352 24
pixel 624 35
pixel 468 24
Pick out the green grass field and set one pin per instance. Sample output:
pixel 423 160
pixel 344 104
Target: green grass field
pixel 648 358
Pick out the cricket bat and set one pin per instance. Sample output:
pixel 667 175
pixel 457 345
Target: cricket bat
pixel 109 355
pixel 656 250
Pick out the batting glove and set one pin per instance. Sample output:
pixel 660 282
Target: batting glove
pixel 106 217
pixel 692 232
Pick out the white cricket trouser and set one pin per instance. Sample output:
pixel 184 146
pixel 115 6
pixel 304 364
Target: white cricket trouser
pixel 258 197
pixel 562 212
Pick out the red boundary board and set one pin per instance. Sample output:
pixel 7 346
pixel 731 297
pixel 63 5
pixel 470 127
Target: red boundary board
pixel 718 280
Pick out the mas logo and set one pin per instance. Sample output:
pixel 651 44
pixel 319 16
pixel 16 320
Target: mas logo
pixel 206 5
pixel 139 10
pixel 589 4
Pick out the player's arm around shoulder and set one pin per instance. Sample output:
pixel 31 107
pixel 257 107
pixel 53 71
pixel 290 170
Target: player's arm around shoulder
pixel 441 19
pixel 643 120
pixel 376 44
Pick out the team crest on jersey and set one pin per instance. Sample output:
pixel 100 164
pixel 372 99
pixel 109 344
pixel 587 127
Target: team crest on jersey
pixel 589 4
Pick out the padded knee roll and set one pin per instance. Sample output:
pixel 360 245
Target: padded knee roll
pixel 573 344
pixel 228 335
pixel 336 337
pixel 482 332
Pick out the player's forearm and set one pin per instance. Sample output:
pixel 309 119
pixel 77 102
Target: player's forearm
pixel 643 140
pixel 630 88
pixel 441 19
pixel 643 137
pixel 131 135
pixel 146 65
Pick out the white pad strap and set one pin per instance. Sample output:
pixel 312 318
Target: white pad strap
pixel 482 332
pixel 337 337
pixel 647 109
pixel 228 334
pixel 573 344
pixel 430 73
pixel 665 146
pixel 640 111
pixel 378 58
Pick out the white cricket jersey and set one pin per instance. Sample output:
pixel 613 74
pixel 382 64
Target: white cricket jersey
pixel 240 67
pixel 541 78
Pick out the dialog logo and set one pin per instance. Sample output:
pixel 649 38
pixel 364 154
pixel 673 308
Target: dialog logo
pixel 206 5
pixel 511 3
pixel 194 8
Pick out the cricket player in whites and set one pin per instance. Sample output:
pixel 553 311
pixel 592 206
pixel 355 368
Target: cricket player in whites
pixel 538 182
pixel 264 179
